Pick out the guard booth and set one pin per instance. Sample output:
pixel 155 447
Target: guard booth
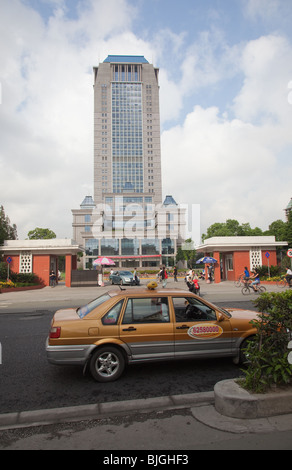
pixel 233 254
pixel 41 257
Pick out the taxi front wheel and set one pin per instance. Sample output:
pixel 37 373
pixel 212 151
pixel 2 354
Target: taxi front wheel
pixel 107 364
pixel 244 356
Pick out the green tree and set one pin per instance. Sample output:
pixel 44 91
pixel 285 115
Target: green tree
pixel 268 353
pixel 278 229
pixel 231 228
pixel 7 231
pixel 187 253
pixel 41 234
pixel 289 230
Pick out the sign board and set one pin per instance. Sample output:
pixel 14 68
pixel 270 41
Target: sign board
pixel 9 259
pixel 267 255
pixel 289 253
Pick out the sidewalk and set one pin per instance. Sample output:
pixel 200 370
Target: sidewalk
pixel 185 422
pixel 223 292
pixel 174 422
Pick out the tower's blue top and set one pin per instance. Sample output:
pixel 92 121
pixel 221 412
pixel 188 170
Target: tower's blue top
pixel 169 201
pixel 126 59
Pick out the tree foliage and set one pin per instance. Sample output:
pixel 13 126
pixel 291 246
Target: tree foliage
pixel 7 231
pixel 288 237
pixel 231 228
pixel 268 354
pixel 41 234
pixel 187 253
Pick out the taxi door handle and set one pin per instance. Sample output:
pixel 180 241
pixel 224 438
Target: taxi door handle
pixel 183 327
pixel 131 328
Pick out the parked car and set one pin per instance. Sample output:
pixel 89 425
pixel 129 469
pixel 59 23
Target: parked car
pixel 123 278
pixel 131 326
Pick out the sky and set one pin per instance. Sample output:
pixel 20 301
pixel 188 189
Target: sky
pixel 225 102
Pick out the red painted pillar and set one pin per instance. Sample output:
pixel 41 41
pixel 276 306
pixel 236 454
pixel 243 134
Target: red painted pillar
pixel 217 273
pixel 68 270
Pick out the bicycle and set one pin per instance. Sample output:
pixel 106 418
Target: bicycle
pixel 283 283
pixel 249 289
pixel 238 282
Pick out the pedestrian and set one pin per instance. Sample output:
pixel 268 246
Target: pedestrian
pixel 175 274
pixel 210 273
pixel 136 281
pixel 52 279
pixel 164 276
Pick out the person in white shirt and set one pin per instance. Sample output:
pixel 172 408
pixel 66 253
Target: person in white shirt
pixel 289 276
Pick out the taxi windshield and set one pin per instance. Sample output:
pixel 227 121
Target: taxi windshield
pixel 228 314
pixel 83 311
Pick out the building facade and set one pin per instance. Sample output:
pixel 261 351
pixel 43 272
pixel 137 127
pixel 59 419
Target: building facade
pixel 41 257
pixel 233 254
pixel 127 157
pixel 126 218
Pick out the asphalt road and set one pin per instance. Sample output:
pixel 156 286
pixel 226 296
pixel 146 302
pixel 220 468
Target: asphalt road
pixel 28 382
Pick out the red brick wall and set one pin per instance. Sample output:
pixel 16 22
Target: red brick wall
pixel 240 260
pixel 41 267
pixel 14 265
pixel 272 259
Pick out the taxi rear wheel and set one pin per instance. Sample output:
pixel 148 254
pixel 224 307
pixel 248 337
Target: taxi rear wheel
pixel 107 364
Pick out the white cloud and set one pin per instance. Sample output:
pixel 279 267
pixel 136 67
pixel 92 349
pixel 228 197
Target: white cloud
pixel 238 168
pixel 267 66
pixel 266 9
pixel 46 116
pixel 229 160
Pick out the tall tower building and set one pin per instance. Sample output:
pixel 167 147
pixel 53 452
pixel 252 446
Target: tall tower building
pixel 127 157
pixel 125 219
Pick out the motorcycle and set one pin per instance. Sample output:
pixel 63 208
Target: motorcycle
pixel 193 286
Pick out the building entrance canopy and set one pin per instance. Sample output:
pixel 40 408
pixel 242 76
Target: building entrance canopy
pixel 236 253
pixel 41 256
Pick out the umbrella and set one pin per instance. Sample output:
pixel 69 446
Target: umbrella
pixel 103 261
pixel 206 260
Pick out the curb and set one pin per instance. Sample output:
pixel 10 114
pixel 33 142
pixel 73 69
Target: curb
pixel 234 401
pixel 78 413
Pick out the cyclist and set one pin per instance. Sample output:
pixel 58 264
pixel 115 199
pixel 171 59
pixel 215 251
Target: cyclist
pixel 289 276
pixel 256 280
pixel 245 275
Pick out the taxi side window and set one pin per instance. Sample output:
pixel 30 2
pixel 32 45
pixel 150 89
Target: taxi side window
pixel 112 316
pixel 191 309
pixel 148 310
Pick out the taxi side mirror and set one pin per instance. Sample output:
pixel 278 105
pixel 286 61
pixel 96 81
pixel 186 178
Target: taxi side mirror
pixel 221 317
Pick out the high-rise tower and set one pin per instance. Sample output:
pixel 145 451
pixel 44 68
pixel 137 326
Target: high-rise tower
pixel 126 219
pixel 127 157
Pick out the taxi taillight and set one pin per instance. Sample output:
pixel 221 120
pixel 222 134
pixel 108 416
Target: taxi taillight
pixel 55 332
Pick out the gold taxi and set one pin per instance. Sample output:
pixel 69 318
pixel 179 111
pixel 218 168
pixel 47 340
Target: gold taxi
pixel 130 326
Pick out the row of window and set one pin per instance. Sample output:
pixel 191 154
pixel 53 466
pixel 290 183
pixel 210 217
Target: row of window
pixel 128 247
pixel 127 73
pixel 126 116
pixel 128 199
